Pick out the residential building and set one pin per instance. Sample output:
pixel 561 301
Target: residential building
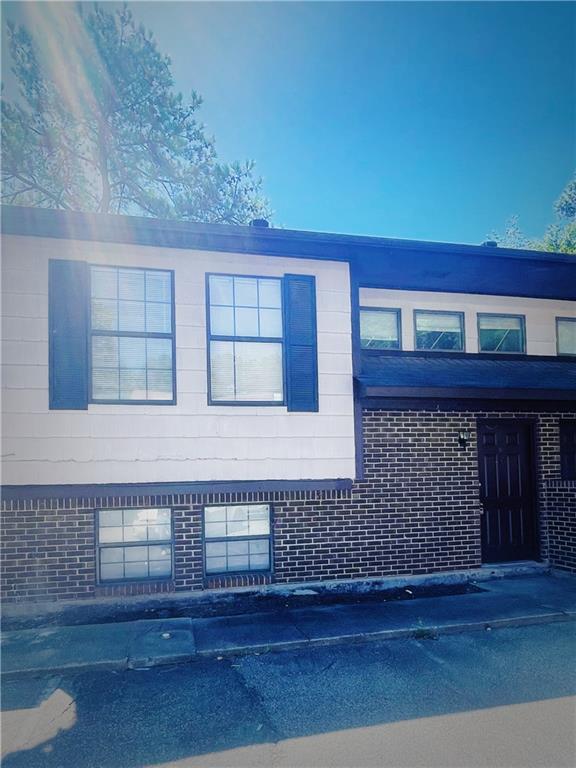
pixel 190 406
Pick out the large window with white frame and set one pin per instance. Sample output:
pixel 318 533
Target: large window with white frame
pixel 237 538
pixel 134 544
pixel 245 339
pixel 132 335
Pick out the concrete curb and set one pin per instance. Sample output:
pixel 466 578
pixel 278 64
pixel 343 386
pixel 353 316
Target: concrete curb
pixel 423 632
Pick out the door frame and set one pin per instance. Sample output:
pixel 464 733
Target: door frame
pixel 531 422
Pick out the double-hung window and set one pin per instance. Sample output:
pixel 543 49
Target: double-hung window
pixel 246 339
pixel 112 337
pixel 237 538
pixel 132 335
pixel 134 544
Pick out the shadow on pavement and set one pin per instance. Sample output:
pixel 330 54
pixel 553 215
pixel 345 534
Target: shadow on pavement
pixel 163 715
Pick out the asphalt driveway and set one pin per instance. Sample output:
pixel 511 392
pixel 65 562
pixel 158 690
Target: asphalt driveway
pixel 496 698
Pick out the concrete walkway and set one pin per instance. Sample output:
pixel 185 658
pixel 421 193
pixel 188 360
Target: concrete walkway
pixel 136 644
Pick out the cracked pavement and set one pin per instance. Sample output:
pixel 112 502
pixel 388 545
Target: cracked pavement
pixel 498 698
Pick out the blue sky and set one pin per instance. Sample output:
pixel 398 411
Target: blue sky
pixel 403 119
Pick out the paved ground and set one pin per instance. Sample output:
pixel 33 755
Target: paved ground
pixel 493 698
pixel 124 645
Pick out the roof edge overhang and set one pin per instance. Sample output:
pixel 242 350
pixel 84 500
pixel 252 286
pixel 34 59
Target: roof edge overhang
pixel 368 391
pixel 374 261
pixel 49 222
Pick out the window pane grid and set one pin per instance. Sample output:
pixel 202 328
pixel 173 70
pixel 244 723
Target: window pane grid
pixel 245 307
pixel 245 312
pixel 134 544
pixel 255 556
pixel 237 538
pixel 132 335
pixel 122 563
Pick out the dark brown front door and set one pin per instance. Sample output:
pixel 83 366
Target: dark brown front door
pixel 507 491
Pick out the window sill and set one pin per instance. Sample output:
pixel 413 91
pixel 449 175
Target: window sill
pixel 124 582
pixel 132 402
pixel 255 403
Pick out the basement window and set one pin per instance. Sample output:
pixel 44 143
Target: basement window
pixel 237 538
pixel 134 544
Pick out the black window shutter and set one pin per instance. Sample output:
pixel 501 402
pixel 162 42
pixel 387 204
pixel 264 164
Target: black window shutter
pixel 301 343
pixel 68 328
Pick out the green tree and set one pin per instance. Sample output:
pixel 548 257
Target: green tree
pixel 560 237
pixel 96 126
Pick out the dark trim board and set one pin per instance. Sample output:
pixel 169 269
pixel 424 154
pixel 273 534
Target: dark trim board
pixel 376 262
pixel 356 369
pixel 420 354
pixel 469 404
pixel 93 490
pixel 478 393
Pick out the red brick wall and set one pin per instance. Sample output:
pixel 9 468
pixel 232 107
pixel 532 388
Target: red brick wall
pixel 416 511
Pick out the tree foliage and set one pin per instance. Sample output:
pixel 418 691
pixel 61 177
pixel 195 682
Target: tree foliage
pixel 560 237
pixel 97 126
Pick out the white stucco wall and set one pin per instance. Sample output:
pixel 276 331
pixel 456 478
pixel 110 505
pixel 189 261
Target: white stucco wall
pixel 190 441
pixel 540 314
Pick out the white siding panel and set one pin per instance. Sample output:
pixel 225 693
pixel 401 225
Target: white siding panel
pixel 18 281
pixel 25 328
pixel 165 471
pixel 22 305
pixel 25 401
pixel 191 440
pixel 70 424
pixel 25 353
pixel 336 405
pixel 191 359
pixel 338 322
pixel 191 316
pixel 332 301
pixel 335 363
pixel 334 342
pixel 192 381
pixel 335 384
pixel 24 376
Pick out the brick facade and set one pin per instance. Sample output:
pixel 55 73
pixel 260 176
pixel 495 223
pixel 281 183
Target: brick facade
pixel 416 511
